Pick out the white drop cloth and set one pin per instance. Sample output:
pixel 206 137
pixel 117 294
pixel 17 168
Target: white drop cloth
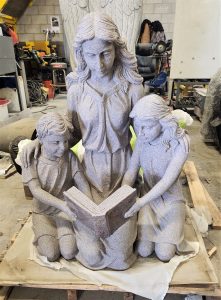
pixel 148 277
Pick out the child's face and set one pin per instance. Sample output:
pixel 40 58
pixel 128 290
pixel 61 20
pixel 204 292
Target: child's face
pixel 55 146
pixel 148 130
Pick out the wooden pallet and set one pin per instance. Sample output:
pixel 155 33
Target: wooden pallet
pixel 207 285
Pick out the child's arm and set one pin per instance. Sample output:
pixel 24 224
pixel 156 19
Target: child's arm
pixel 131 174
pixel 78 176
pixel 48 199
pixel 170 176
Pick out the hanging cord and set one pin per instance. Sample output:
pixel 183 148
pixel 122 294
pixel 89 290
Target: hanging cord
pixel 44 110
pixel 36 95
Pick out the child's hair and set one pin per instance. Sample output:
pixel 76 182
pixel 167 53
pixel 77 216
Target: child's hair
pixel 154 107
pixel 52 124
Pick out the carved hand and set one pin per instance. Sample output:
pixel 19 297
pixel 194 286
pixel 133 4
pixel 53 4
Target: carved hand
pixel 29 152
pixel 134 209
pixel 72 216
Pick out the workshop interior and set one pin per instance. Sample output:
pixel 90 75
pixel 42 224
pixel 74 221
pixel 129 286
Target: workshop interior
pixel 177 46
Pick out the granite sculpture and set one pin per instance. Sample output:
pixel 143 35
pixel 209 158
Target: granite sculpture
pixel 101 94
pixel 100 99
pixel 161 150
pixel 54 171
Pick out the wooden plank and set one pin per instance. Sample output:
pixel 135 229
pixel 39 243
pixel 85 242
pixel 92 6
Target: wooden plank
pixel 212 251
pixel 9 173
pixel 195 290
pixel 2 255
pixel 183 290
pixel 213 298
pixel 201 199
pixel 128 296
pixel 214 211
pixel 196 190
pixel 72 294
pixel 207 262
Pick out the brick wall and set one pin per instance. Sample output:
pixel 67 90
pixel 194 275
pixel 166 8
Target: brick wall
pixel 37 18
pixel 163 11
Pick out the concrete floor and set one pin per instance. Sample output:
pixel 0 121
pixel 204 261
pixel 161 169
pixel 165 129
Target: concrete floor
pixel 14 208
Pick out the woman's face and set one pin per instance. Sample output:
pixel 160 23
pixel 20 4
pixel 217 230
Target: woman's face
pixel 148 130
pixel 99 56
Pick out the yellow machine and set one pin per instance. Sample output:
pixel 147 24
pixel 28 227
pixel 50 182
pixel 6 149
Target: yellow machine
pixel 9 13
pixel 38 45
pixel 5 18
pixel 10 20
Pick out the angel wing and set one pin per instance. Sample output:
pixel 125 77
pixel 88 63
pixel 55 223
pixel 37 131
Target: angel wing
pixel 127 14
pixel 72 12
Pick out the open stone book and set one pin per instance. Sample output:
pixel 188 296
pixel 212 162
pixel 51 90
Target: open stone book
pixel 104 219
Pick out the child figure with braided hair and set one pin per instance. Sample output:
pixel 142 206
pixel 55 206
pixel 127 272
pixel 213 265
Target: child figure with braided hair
pixel 48 176
pixel 161 150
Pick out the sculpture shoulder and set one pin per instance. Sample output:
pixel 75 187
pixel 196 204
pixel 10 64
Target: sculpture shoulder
pixel 184 142
pixel 73 94
pixel 136 92
pixel 73 90
pixel 136 89
pixel 71 79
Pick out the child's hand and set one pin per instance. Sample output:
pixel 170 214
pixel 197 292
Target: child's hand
pixel 134 209
pixel 30 151
pixel 72 216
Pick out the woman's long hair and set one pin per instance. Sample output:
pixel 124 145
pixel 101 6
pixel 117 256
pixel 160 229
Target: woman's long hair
pixel 101 26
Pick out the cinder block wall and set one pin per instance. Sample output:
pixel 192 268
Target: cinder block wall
pixel 163 11
pixel 37 18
